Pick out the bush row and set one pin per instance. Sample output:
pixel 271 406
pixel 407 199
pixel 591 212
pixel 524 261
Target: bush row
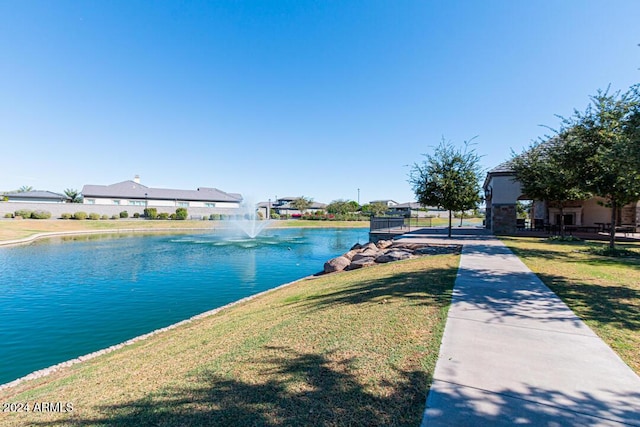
pixel 27 214
pixel 332 217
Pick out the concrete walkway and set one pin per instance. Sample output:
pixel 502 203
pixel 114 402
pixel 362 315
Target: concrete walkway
pixel 514 354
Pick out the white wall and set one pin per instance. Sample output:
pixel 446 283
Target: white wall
pixel 157 203
pixel 505 190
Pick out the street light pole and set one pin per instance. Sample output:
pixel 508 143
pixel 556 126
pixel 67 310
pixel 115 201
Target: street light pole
pixel 358 197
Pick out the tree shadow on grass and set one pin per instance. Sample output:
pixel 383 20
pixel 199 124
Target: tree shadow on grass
pixel 429 287
pixel 584 248
pixel 301 389
pixel 615 305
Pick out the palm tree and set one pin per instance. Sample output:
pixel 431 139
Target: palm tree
pixel 74 195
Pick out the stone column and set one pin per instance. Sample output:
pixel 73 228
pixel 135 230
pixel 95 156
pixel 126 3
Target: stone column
pixel 504 218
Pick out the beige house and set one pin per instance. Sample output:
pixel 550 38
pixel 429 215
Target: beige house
pixel 502 191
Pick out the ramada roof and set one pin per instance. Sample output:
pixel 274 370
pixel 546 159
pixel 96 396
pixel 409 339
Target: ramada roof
pixel 504 167
pixel 133 190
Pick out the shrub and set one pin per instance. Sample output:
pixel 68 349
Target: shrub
pixel 613 252
pixel 8 215
pixel 124 214
pixel 150 213
pixel 214 217
pixel 275 215
pixel 114 216
pixel 181 213
pixel 94 216
pixel 563 239
pixel 24 213
pixel 163 216
pixel 66 216
pixel 172 216
pixel 39 214
pixel 104 217
pixel 80 215
pixel 136 215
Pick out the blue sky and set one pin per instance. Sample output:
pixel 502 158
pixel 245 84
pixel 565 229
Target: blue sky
pixel 291 98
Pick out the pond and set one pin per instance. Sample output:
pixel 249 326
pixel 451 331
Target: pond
pixel 63 298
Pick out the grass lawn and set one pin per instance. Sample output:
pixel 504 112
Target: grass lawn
pixel 11 229
pixel 355 348
pixel 603 291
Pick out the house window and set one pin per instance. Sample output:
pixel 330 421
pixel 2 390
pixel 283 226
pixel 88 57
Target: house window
pixel 136 202
pixel 183 204
pixel 210 205
pixel 91 201
pixel 116 202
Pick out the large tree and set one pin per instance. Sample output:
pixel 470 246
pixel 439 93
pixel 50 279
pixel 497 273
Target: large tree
pixel 544 175
pixel 449 178
pixel 302 204
pixel 343 207
pixel 602 145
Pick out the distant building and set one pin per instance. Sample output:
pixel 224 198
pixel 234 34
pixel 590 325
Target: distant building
pixel 132 193
pixel 415 209
pixel 389 203
pixel 282 206
pixel 36 197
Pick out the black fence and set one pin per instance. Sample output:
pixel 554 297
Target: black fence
pixel 397 222
pixel 379 223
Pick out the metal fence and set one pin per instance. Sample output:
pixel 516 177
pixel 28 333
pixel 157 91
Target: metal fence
pixel 379 223
pixel 397 222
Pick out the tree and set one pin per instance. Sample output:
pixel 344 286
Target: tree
pixel 602 145
pixel 342 207
pixel 338 207
pixel 25 189
pixel 74 195
pixel 544 175
pixel 449 178
pixel 375 208
pixel 302 204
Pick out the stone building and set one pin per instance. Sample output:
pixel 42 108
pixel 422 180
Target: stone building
pixel 502 192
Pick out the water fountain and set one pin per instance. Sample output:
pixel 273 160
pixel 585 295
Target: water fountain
pixel 248 221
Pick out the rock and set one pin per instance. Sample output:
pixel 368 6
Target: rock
pixel 393 255
pixel 366 254
pixel 384 244
pixel 356 246
pixel 362 262
pixel 349 255
pixel 336 264
pixel 369 245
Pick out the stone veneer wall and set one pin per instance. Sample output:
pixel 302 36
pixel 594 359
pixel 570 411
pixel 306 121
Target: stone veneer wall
pixel 630 215
pixel 503 219
pixel 488 223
